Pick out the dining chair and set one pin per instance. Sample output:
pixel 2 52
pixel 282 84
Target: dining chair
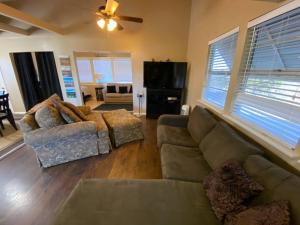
pixel 5 112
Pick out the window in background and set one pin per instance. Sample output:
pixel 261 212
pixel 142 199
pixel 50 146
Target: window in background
pixel 122 70
pixel 103 70
pixel 268 96
pixel 84 71
pixel 220 61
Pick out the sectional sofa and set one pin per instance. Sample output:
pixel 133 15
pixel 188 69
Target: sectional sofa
pixel 191 147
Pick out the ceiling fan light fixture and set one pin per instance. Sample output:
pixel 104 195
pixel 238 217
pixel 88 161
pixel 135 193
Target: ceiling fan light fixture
pixel 109 20
pixel 112 24
pixel 101 23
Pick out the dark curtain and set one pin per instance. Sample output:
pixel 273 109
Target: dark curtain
pixel 28 79
pixel 48 76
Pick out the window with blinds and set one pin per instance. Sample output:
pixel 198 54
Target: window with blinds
pixel 122 70
pixel 268 94
pixel 84 71
pixel 104 69
pixel 220 61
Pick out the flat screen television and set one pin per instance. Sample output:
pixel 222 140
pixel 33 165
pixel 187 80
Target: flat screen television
pixel 168 75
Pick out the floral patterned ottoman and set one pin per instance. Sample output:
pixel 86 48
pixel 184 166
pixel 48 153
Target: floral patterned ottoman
pixel 123 127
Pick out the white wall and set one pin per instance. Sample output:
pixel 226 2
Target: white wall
pixel 163 35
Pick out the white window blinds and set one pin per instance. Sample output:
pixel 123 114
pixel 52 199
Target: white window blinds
pixel 220 61
pixel 103 70
pixel 84 71
pixel 122 70
pixel 268 96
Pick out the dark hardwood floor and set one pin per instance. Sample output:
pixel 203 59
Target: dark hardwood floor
pixel 31 195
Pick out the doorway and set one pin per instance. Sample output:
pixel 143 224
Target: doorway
pixel 37 75
pixel 105 80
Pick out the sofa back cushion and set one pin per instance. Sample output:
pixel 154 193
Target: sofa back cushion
pixel 278 183
pixel 223 144
pixel 200 123
pixel 47 102
pixel 48 117
pixel 75 110
pixel 67 114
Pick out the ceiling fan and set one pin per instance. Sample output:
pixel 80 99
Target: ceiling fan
pixel 109 18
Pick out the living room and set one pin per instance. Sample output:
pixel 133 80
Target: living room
pixel 96 144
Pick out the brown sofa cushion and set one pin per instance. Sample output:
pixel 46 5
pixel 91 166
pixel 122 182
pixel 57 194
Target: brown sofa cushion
pixel 85 109
pixel 48 117
pixel 275 213
pixel 136 202
pixel 175 136
pixel 47 102
pixel 68 115
pixel 200 123
pixel 223 144
pixel 75 110
pixel 97 118
pixel 183 163
pixel 228 187
pixel 28 123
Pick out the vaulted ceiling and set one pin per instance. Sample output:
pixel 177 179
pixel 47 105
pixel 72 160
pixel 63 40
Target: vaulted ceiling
pixel 65 14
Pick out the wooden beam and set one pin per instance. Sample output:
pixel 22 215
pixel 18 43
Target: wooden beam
pixel 13 13
pixel 12 29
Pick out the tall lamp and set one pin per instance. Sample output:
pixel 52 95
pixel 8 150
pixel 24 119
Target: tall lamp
pixel 140 96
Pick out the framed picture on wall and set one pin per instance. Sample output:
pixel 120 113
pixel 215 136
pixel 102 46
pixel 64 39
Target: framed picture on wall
pixel 66 71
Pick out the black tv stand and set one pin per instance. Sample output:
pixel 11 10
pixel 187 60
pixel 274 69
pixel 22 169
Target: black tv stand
pixel 163 101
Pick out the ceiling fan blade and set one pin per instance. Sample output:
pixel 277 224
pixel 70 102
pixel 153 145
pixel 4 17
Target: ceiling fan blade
pixel 119 27
pixel 101 8
pixel 101 14
pixel 129 18
pixel 111 7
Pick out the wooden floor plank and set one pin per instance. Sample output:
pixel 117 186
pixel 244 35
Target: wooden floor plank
pixel 30 195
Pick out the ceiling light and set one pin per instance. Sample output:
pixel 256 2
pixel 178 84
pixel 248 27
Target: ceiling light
pixel 111 25
pixel 101 23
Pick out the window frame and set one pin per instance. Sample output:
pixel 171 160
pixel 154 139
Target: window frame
pixel 219 38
